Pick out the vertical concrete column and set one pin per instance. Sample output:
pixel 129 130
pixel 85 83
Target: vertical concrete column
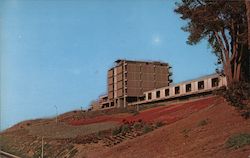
pixel 162 93
pixel 209 81
pixel 115 87
pixel 206 84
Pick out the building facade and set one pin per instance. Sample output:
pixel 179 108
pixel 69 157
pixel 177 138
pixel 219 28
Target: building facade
pixel 187 88
pixel 128 80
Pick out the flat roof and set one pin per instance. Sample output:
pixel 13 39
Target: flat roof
pixel 141 61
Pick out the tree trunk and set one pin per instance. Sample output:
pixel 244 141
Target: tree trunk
pixel 248 20
pixel 247 2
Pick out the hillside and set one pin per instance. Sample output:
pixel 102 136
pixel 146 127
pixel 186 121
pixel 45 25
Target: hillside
pixel 197 128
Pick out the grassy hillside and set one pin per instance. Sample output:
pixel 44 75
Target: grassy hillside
pixel 200 128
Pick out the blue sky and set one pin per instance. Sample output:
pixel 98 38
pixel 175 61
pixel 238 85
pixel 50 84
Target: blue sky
pixel 57 52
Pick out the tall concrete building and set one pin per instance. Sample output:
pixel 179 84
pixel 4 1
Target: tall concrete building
pixel 127 81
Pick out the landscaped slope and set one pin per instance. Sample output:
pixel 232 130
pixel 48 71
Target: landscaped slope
pixel 194 128
pixel 201 134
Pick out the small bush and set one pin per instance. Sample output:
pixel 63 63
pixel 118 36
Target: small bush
pixel 137 125
pixel 238 141
pixel 125 128
pixel 185 132
pixel 159 124
pixel 116 131
pixel 237 95
pixel 203 123
pixel 147 128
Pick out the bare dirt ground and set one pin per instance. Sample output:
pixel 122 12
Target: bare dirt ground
pixel 185 138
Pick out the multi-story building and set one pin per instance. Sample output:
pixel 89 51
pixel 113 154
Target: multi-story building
pixel 127 80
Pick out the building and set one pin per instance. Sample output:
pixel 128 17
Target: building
pixel 200 86
pixel 128 80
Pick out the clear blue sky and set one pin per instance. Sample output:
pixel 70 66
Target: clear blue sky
pixel 57 52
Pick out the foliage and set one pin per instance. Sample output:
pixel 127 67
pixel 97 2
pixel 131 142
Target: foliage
pixel 159 123
pixel 238 94
pixel 224 24
pixel 116 131
pixel 185 132
pixel 147 128
pixel 203 122
pixel 125 128
pixel 138 125
pixel 238 141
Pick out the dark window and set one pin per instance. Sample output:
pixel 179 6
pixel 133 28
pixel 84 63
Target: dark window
pixel 126 67
pixel 126 83
pixel 188 87
pixel 126 75
pixel 149 96
pixel 126 91
pixel 177 90
pixel 166 92
pixel 215 82
pixel 200 85
pixel 158 94
pixel 112 103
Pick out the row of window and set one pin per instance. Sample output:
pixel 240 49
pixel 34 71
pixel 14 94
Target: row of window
pixel 188 87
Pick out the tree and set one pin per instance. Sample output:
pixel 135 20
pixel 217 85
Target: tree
pixel 224 24
pixel 248 21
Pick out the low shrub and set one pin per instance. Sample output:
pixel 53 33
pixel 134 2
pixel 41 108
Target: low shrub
pixel 185 132
pixel 125 128
pixel 159 123
pixel 203 122
pixel 138 125
pixel 238 141
pixel 116 131
pixel 238 94
pixel 147 128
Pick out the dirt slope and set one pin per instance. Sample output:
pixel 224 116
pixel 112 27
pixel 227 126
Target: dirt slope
pixel 186 138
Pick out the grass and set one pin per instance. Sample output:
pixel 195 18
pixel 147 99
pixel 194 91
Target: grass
pixel 238 140
pixel 203 123
pixel 147 128
pixel 116 131
pixel 159 123
pixel 185 132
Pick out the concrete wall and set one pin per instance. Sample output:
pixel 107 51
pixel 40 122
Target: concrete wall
pixel 182 86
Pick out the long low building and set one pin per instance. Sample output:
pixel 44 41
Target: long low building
pixel 196 86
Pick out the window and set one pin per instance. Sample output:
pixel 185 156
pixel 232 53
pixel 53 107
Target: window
pixel 158 94
pixel 126 67
pixel 200 85
pixel 215 82
pixel 149 96
pixel 126 75
pixel 188 87
pixel 166 92
pixel 177 90
pixel 126 91
pixel 126 83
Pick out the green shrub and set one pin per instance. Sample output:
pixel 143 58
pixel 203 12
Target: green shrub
pixel 203 123
pixel 185 132
pixel 137 125
pixel 238 141
pixel 116 131
pixel 237 93
pixel 159 124
pixel 125 128
pixel 147 128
